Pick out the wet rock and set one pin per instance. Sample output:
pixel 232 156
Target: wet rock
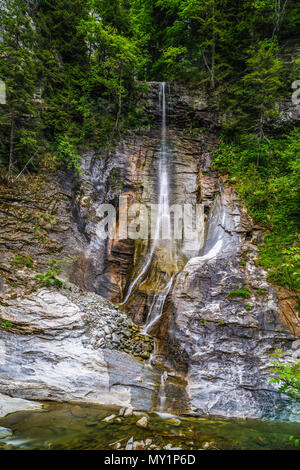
pixel 143 422
pixel 223 347
pixel 11 405
pixel 129 445
pixel 109 419
pixel 5 432
pixel 173 422
pixel 128 412
pixel 78 412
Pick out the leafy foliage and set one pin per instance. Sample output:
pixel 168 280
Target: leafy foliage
pixel 271 193
pixel 287 375
pixel 50 277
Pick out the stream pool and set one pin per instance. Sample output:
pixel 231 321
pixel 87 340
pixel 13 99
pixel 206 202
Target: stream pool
pixel 80 427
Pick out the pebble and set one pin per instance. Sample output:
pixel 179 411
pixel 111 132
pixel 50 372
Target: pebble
pixel 110 328
pixel 138 445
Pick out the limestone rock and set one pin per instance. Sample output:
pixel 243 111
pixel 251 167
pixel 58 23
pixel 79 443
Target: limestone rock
pixel 143 422
pixel 109 419
pixel 4 432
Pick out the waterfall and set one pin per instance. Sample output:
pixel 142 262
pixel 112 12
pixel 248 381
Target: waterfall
pixel 163 215
pixel 157 307
pixel 162 391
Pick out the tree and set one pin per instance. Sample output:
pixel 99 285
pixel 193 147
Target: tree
pixel 19 118
pixel 263 86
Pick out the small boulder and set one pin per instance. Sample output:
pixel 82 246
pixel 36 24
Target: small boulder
pixel 129 445
pixel 78 412
pixel 109 419
pixel 128 412
pixel 143 422
pixel 173 421
pixel 5 432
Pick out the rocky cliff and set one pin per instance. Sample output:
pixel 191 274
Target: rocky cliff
pixel 221 319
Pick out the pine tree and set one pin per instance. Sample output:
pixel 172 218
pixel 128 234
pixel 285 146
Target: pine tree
pixel 263 86
pixel 19 121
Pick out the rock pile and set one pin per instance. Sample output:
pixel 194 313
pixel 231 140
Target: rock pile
pixel 110 328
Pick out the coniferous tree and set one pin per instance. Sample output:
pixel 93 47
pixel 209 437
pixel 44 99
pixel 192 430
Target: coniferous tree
pixel 20 115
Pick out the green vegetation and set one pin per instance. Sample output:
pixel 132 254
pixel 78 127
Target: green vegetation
pixel 243 293
pixel 286 375
pixel 272 195
pixel 49 278
pixel 24 260
pixel 249 307
pixel 6 324
pixel 73 71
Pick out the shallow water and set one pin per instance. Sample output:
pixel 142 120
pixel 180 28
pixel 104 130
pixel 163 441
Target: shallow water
pixel 69 426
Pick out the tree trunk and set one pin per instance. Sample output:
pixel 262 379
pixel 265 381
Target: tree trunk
pixel 260 138
pixel 11 146
pixel 119 102
pixel 213 50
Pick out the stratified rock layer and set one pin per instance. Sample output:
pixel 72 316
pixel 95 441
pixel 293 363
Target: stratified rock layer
pixel 78 347
pixel 226 339
pixel 71 347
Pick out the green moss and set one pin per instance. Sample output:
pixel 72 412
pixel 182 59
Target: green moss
pixel 243 293
pixel 249 307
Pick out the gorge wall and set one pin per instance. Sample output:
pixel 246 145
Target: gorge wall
pixel 76 346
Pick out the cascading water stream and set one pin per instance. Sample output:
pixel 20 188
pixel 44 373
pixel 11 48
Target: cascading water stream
pixel 162 391
pixel 157 307
pixel 162 242
pixel 162 228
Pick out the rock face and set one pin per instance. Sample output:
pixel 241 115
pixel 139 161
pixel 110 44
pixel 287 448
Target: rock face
pixel 56 348
pixel 226 339
pixel 221 319
pixel 11 405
